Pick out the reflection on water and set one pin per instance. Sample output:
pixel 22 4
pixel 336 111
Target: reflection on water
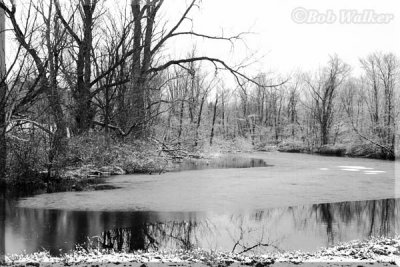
pixel 304 227
pixel 225 162
pixel 2 223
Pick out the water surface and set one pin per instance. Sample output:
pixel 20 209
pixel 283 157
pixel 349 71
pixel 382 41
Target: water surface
pixel 224 162
pixel 290 201
pixel 306 228
pixel 292 180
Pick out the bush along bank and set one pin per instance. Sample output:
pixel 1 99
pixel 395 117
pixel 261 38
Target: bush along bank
pixel 359 150
pixel 90 158
pixel 87 160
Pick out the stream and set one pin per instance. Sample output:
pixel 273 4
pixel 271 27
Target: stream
pixel 265 201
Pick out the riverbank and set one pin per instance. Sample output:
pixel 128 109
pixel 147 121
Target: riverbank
pixel 88 160
pixel 374 250
pixel 361 150
pixel 91 158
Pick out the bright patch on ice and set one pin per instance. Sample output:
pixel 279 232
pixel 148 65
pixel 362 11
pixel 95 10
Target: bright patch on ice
pixel 374 171
pixel 356 167
pixel 323 169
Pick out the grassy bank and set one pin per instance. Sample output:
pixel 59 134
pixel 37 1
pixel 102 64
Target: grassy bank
pixel 369 251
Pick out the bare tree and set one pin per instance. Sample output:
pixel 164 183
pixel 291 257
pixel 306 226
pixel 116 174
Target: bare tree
pixel 44 83
pixel 84 112
pixel 292 106
pixel 381 71
pixel 388 69
pixel 324 91
pixel 369 66
pixel 213 119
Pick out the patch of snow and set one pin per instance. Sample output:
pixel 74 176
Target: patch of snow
pixel 356 167
pixel 371 251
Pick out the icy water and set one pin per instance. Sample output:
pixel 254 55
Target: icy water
pixel 225 162
pixel 290 201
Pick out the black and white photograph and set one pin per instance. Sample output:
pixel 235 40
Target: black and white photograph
pixel 199 133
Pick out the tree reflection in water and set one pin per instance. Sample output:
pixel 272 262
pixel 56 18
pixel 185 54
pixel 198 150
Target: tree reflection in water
pixel 151 236
pixel 2 224
pixel 302 227
pixel 376 217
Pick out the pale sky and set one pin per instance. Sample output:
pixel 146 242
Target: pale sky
pixel 282 44
pixel 287 45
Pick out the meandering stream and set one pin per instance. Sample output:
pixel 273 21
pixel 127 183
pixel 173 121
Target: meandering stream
pixel 287 201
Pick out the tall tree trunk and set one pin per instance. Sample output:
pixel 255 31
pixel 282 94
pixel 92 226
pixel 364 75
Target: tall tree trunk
pixel 138 111
pixel 107 115
pixel 213 120
pixel 223 115
pixel 58 142
pixel 181 118
pixel 3 92
pixel 253 131
pixel 84 112
pixel 122 105
pixel 3 146
pixel 196 139
pixel 182 109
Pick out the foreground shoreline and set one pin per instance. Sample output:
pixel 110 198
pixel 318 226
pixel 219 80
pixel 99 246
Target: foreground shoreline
pixel 374 250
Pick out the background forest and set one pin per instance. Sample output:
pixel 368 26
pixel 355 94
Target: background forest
pixel 84 87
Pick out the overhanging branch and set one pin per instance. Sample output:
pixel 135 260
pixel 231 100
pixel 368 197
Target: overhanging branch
pixel 214 61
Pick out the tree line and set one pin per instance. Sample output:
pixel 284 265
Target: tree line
pixel 77 68
pixel 84 67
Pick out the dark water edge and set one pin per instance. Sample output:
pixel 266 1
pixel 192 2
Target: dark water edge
pixel 40 183
pixel 306 228
pixel 339 152
pixel 223 162
pixel 2 223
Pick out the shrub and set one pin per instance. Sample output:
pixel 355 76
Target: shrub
pixel 366 150
pixel 27 156
pixel 332 150
pixel 292 146
pixel 93 152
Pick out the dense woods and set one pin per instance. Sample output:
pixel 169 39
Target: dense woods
pixel 81 81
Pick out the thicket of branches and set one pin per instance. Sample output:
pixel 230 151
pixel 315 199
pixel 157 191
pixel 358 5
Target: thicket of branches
pixel 77 68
